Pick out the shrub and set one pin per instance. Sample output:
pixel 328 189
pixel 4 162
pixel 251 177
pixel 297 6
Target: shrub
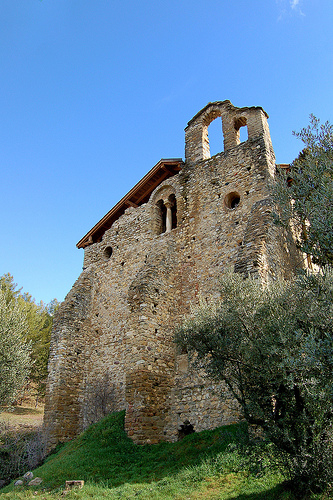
pixel 20 451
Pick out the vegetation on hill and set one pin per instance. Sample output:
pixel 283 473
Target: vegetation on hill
pixel 218 464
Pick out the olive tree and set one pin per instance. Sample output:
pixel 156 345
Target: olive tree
pixel 38 319
pixel 304 193
pixel 273 347
pixel 15 360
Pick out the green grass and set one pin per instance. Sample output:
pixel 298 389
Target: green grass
pixel 207 465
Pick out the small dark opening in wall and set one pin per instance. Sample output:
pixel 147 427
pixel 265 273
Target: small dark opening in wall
pixel 183 350
pixel 107 252
pixel 235 202
pixel 232 200
pixel 185 429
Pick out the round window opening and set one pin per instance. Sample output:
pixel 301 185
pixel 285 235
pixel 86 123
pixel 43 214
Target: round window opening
pixel 232 200
pixel 107 252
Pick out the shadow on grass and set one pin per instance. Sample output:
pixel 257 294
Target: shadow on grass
pixel 21 410
pixel 276 493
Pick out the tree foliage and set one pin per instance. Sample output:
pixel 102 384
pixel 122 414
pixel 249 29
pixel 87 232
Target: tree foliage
pixel 38 324
pixel 273 347
pixel 304 192
pixel 15 351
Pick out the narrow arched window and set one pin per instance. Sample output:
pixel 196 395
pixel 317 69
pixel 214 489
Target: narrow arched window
pixel 161 217
pixel 172 200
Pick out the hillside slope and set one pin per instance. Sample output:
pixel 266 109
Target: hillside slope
pixel 216 464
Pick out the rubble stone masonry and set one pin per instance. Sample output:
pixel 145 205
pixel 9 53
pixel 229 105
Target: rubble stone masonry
pixel 116 325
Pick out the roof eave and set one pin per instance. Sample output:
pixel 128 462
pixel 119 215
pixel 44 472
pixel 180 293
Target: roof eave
pixel 88 238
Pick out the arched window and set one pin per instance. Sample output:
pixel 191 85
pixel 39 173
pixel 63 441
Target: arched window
pixel 166 214
pixel 161 217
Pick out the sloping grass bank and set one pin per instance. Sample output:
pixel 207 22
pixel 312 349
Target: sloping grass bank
pixel 214 464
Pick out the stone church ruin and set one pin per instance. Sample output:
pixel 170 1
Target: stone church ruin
pixel 162 245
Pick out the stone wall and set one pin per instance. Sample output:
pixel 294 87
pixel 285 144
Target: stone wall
pixel 140 279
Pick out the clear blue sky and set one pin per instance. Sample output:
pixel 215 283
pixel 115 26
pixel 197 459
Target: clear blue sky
pixel 93 93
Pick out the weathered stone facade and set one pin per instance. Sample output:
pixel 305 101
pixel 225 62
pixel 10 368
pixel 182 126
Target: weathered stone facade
pixel 143 270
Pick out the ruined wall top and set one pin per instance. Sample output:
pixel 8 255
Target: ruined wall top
pixel 196 132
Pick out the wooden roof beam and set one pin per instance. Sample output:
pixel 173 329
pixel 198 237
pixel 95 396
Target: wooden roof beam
pixel 131 204
pixel 153 186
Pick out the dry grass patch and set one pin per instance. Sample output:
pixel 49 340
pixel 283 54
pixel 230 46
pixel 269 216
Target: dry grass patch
pixel 23 417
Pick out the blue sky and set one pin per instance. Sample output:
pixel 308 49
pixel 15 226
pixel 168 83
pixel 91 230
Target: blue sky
pixel 93 93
